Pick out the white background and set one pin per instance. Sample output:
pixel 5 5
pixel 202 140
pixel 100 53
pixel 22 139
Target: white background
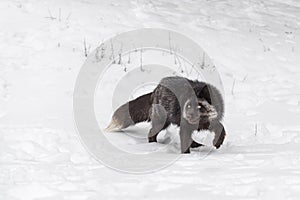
pixel 255 45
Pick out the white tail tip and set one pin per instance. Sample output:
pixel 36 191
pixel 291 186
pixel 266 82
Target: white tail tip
pixel 113 126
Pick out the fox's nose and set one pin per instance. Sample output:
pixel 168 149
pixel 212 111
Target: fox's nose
pixel 193 115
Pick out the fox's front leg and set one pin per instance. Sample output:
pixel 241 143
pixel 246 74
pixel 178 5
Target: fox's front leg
pixel 159 121
pixel 186 140
pixel 219 131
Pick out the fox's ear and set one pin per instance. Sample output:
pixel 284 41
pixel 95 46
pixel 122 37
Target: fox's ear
pixel 205 93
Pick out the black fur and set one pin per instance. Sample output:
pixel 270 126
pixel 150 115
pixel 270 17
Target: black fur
pixel 192 105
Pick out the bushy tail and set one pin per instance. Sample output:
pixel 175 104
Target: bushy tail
pixel 131 113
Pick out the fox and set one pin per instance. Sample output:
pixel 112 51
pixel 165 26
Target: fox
pixel 189 104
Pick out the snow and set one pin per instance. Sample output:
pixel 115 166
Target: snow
pixel 255 46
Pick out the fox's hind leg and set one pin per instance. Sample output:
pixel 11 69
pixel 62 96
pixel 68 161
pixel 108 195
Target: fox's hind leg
pixel 159 120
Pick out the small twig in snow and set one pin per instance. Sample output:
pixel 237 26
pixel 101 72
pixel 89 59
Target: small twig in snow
pixel 255 133
pixel 69 15
pixel 112 52
pixel 59 14
pixel 85 48
pixel 120 54
pixel 128 59
pixel 50 15
pixel 245 77
pixel 203 61
pixel 100 52
pixel 190 70
pixel 170 46
pixel 141 59
pixel 120 59
pixel 232 89
pixel 176 57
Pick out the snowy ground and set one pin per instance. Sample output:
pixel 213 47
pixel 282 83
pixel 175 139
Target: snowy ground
pixel 255 45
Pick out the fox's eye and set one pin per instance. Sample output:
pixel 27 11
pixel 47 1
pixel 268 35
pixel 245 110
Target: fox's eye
pixel 188 106
pixel 198 106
